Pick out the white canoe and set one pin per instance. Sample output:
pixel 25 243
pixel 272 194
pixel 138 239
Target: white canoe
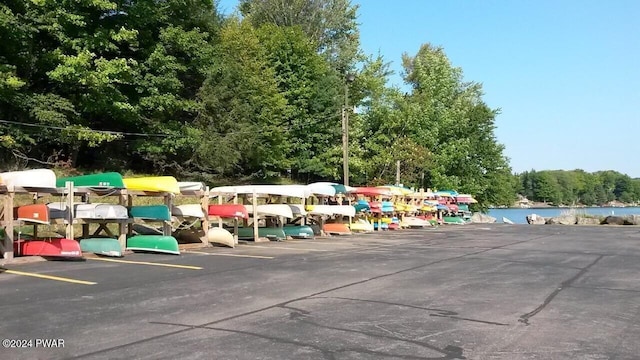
pixel 414 222
pixel 344 210
pixel 297 210
pixel 320 210
pixel 187 210
pixel 101 211
pixel 297 191
pixel 217 235
pixel 272 210
pixel 35 178
pixel 190 186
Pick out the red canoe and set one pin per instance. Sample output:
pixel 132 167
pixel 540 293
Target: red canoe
pixel 228 211
pixel 57 247
pixel 375 207
pixel 372 191
pixel 36 213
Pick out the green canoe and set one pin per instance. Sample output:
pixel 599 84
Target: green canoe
pixel 101 246
pixel 455 220
pixel 274 234
pixel 153 243
pixel 150 212
pixel 298 231
pixel 100 180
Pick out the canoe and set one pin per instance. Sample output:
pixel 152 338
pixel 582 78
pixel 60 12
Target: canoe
pixel 271 210
pixel 153 243
pixel 297 191
pixel 108 180
pixel 414 222
pixel 187 210
pixel 453 220
pixel 33 213
pixel 101 246
pixel 394 226
pixel 35 178
pixel 361 225
pixel 375 207
pixel 273 234
pixel 190 186
pixel 319 210
pixel 56 247
pixel 298 231
pixel 372 191
pixel 506 221
pixel 164 184
pixel 344 210
pixel 150 212
pixel 362 206
pixel 297 210
pixel 142 229
pixel 228 211
pixel 382 226
pixel 58 210
pixel 336 229
pixel 101 211
pixel 217 235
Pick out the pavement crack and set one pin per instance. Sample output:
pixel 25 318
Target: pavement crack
pixel 567 283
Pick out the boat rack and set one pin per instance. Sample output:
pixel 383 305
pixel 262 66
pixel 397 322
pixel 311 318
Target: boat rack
pixel 126 198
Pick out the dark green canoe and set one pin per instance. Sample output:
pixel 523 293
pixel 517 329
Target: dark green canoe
pixel 298 231
pixel 153 243
pixel 101 246
pixel 273 234
pixel 150 212
pixel 100 180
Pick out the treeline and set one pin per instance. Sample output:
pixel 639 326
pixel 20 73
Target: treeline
pixel 578 187
pixel 175 87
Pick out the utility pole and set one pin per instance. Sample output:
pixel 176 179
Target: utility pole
pixel 398 173
pixel 345 129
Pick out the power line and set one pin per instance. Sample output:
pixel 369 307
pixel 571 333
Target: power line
pixel 77 129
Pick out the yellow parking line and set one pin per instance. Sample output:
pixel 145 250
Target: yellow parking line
pixel 50 277
pixel 236 255
pixel 149 263
pixel 284 248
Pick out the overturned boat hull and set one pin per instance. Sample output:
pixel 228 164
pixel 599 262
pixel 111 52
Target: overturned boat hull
pixel 153 243
pixel 336 229
pixel 273 234
pixel 57 247
pixel 101 246
pixel 220 236
pixel 298 231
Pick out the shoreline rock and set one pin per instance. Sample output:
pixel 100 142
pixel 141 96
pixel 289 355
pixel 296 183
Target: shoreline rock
pixel 580 219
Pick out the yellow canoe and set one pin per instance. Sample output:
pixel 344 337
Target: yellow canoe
pixel 153 184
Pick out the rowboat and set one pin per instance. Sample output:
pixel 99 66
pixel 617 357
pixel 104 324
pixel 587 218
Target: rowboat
pixel 227 211
pixel 336 229
pixel 33 213
pixel 162 184
pixel 273 234
pixel 35 178
pixel 153 243
pixel 150 212
pixel 218 235
pixel 298 231
pixel 414 222
pixel 101 211
pixel 453 220
pixel 108 180
pixel 187 211
pixel 55 247
pixel 101 246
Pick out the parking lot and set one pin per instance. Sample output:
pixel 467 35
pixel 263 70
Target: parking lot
pixel 468 292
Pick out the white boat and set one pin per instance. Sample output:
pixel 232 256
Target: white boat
pixel 101 211
pixel 186 186
pixel 344 210
pixel 414 222
pixel 298 191
pixel 506 221
pixel 320 210
pixel 35 178
pixel 187 210
pixel 272 210
pixel 321 189
pixel 218 235
pixel 297 210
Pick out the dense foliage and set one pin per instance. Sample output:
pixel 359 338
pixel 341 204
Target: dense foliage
pixel 174 87
pixel 561 187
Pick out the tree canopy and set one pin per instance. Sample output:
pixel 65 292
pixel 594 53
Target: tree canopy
pixel 175 87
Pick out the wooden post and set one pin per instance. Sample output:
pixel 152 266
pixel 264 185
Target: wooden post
pixel 70 214
pixel 129 205
pixel 235 221
pixel 254 201
pixel 219 203
pixel 122 226
pixel 204 203
pixel 8 224
pixel 166 225
pixel 85 226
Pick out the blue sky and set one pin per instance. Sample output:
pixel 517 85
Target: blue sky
pixel 565 74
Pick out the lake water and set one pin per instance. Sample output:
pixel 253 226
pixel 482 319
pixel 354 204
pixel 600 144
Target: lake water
pixel 519 216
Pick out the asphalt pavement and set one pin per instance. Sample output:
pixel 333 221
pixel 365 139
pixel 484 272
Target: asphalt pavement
pixel 457 292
